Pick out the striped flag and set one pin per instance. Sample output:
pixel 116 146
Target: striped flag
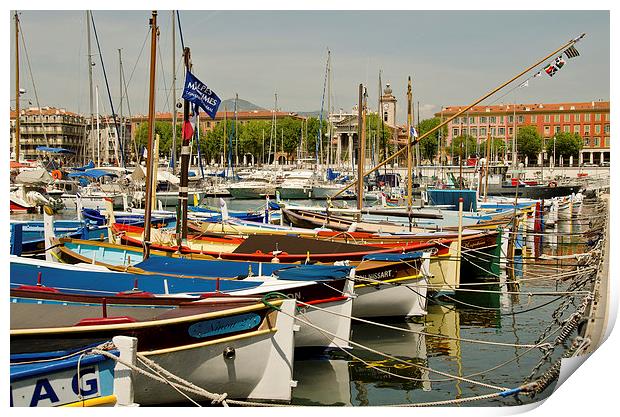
pixel 559 62
pixel 571 52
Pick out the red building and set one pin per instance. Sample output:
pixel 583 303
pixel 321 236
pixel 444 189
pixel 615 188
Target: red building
pixel 590 120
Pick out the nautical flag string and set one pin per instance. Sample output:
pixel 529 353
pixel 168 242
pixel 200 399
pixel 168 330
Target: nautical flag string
pixel 414 133
pixel 571 52
pixel 559 62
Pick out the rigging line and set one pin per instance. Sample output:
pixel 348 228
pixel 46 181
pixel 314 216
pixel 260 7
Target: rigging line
pixel 148 32
pixel 105 76
pixel 135 146
pixel 163 76
pixel 180 30
pixel 34 87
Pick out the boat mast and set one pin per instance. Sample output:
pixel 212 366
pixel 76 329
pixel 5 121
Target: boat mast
pixel 174 96
pixel 329 95
pixel 361 148
pixel 120 111
pixel 409 150
pixel 90 84
pixel 185 150
pixel 151 130
pixel 98 133
pixel 17 127
pixel 236 132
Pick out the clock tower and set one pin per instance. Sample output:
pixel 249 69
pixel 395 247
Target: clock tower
pixel 388 106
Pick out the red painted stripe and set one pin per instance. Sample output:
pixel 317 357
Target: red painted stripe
pixel 327 300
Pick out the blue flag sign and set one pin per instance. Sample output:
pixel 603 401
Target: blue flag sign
pixel 198 93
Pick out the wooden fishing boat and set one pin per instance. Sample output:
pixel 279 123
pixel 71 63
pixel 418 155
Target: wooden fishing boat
pixel 264 248
pixel 72 378
pixel 375 275
pixel 143 297
pixel 246 352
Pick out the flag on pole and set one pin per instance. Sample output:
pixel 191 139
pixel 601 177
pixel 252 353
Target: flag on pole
pixel 414 133
pixel 571 52
pixel 198 93
pixel 559 62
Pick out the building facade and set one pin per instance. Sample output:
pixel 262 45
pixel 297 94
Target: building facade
pixel 590 120
pixel 47 126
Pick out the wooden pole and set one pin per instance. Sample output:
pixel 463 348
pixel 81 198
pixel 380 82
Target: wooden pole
pixel 457 114
pixel 409 149
pixel 486 172
pixel 151 129
pixel 185 150
pixel 361 147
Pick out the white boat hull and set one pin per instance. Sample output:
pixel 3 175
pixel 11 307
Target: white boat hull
pixel 388 300
pixel 261 368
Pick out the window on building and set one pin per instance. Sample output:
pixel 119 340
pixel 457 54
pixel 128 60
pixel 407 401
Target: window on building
pixel 607 129
pixel 500 131
pixel 474 132
pixel 520 119
pixel 586 129
pixel 586 117
pixel 567 128
pixel 501 119
pixel 557 129
pixel 597 129
pixel 533 118
pixel 586 141
pixel 606 117
pixel 385 116
pixel 556 118
pixel 577 117
pixel 577 129
pixel 597 117
pixel 455 132
pixel 483 119
pixel 511 119
pixel 483 131
pixel 547 130
pixel 547 118
pixel 510 131
pixel 492 119
pixel 472 120
pixel 597 142
pixel 567 117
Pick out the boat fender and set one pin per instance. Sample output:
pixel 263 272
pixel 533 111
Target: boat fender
pixel 95 321
pixel 38 288
pixel 57 174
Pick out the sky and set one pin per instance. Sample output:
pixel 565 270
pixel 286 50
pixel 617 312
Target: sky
pixel 453 57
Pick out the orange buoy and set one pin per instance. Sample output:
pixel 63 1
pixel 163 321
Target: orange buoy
pixel 57 174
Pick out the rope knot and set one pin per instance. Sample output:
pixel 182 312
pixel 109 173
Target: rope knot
pixel 220 399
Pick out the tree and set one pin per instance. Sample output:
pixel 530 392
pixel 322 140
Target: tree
pixel 164 130
pixel 566 144
pixel 468 146
pixel 428 144
pixel 498 147
pixel 529 142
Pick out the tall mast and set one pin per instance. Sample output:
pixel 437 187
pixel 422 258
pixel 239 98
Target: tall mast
pixel 361 147
pixel 409 150
pixel 120 80
pixel 90 83
pixel 98 134
pixel 174 96
pixel 17 121
pixel 329 94
pixel 236 133
pixel 151 130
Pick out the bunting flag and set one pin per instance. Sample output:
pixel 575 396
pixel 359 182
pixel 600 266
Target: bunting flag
pixel 525 84
pixel 571 52
pixel 195 91
pixel 414 133
pixel 551 70
pixel 538 74
pixel 188 130
pixel 559 62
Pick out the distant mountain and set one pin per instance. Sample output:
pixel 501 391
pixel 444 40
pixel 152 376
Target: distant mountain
pixel 315 113
pixel 242 105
